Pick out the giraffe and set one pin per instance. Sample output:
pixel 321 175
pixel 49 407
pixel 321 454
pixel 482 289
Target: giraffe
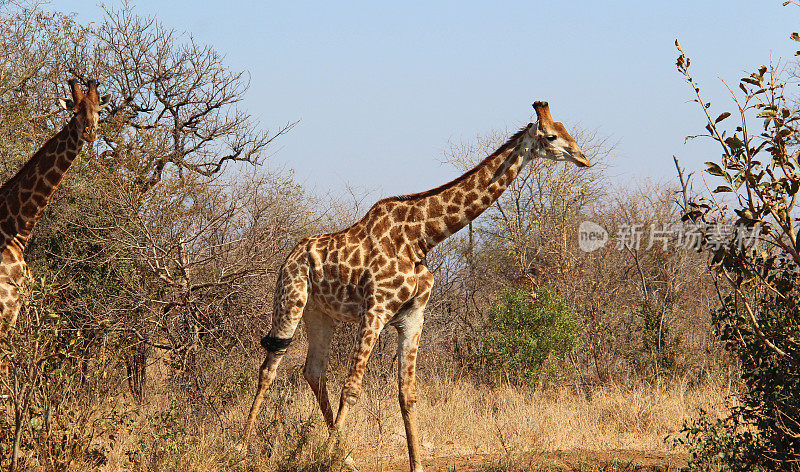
pixel 24 197
pixel 374 273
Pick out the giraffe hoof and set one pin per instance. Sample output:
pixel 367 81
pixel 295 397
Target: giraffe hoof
pixel 350 464
pixel 240 447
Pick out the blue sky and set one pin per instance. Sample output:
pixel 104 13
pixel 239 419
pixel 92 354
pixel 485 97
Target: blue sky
pixel 381 88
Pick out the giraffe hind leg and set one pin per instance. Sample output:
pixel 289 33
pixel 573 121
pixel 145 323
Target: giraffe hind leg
pixel 266 375
pixel 320 329
pixel 291 294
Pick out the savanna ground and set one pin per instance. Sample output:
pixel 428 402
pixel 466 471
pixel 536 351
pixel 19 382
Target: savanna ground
pixel 464 426
pixel 561 461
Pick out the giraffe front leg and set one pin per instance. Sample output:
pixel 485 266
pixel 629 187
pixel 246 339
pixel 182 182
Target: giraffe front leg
pixel 407 347
pixel 371 327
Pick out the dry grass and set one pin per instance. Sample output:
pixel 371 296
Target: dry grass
pixel 456 417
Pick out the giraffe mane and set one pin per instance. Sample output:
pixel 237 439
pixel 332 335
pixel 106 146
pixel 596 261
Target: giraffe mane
pixel 503 148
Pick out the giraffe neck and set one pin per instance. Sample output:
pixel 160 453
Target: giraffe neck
pixel 454 205
pixel 24 197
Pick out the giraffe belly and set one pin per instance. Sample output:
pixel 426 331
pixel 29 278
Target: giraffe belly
pixel 339 288
pixel 346 309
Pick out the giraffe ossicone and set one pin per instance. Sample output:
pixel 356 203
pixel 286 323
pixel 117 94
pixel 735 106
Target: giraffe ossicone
pixel 24 197
pixel 374 273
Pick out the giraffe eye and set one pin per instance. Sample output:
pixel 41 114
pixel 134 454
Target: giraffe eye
pixel 551 137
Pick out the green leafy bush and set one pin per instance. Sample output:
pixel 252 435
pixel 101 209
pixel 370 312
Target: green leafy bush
pixel 527 334
pixel 757 271
pixel 660 344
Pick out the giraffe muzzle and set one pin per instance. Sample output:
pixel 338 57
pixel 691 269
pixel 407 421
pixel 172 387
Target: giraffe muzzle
pixel 89 135
pixel 582 161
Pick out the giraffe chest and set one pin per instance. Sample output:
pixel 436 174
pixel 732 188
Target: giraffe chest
pixel 12 268
pixel 12 275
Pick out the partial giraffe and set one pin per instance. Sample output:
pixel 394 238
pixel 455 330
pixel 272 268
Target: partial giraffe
pixel 374 273
pixel 24 197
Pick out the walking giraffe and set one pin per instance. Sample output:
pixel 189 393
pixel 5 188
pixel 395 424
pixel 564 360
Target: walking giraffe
pixel 374 273
pixel 24 197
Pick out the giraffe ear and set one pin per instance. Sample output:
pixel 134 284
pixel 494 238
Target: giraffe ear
pixel 105 100
pixel 66 104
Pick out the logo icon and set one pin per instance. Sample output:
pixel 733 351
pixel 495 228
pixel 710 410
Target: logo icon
pixel 591 236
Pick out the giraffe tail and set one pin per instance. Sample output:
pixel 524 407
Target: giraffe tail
pixel 273 344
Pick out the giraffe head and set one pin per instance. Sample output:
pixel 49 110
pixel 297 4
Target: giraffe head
pixel 553 141
pixel 86 107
